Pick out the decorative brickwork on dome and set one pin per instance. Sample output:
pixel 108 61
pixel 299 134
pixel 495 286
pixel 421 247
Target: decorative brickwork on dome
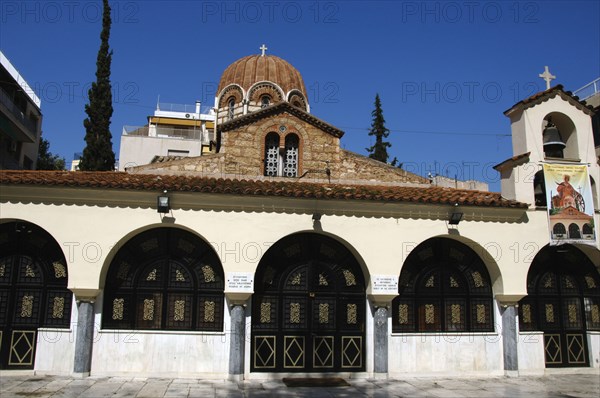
pixel 257 68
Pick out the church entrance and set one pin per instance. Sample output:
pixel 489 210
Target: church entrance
pixel 308 310
pixel 563 301
pixel 33 291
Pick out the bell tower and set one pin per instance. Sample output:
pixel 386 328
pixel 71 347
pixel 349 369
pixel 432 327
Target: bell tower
pixel 552 126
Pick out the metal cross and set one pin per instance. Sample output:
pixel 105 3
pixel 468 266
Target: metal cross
pixel 263 48
pixel 547 76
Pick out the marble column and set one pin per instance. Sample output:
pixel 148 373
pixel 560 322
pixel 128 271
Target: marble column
pixel 380 343
pixel 84 338
pixel 510 336
pixel 237 346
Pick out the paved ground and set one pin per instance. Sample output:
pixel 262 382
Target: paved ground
pixel 555 386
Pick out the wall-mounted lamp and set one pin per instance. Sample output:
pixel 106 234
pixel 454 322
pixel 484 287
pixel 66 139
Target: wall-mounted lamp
pixel 455 217
pixel 163 203
pixel 316 216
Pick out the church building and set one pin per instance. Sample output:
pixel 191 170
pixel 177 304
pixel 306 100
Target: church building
pixel 278 252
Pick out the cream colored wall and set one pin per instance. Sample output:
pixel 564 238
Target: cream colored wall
pixel 90 236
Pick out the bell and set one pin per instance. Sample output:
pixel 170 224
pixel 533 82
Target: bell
pixel 553 143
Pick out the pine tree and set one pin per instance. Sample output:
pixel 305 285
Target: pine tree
pixel 379 150
pixel 98 154
pixel 47 160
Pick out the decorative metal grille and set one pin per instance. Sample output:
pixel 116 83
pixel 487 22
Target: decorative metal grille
pixel 179 276
pixel 403 314
pixel 453 282
pixel 352 314
pixel 26 306
pixel 149 245
pixel 455 313
pixel 271 154
pixel 265 312
pixel 481 318
pixel 595 313
pixel 186 246
pixel 179 311
pixel 59 270
pixel 549 313
pixel 323 280
pixel 478 279
pixel 429 314
pixel 148 310
pixel 209 274
pixel 294 312
pixel 151 275
pixel 2 270
pixel 591 283
pixel 123 270
pixel 58 307
pixel 290 166
pixel 526 308
pixel 29 273
pixel 117 312
pixel 323 313
pixel 430 282
pixel 209 311
pixel 296 279
pixel 572 309
pixel 349 277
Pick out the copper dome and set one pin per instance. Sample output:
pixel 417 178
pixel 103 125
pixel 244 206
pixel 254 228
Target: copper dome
pixel 256 68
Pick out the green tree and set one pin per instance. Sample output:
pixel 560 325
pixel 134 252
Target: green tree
pixel 379 150
pixel 47 160
pixel 98 154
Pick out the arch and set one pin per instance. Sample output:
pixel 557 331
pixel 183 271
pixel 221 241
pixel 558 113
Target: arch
pixel 559 230
pixel 444 286
pixel 257 90
pixel 568 133
pixel 539 189
pixel 297 99
pixel 563 301
pixel 33 291
pixel 574 231
pixel 308 307
pixel 164 278
pixel 232 90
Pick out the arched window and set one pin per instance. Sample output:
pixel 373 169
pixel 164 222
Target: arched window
pixel 574 232
pixel 588 229
pixel 165 279
pixel 272 155
pixel 231 108
pixel 559 230
pixel 290 166
pixel 539 189
pixel 265 101
pixel 444 287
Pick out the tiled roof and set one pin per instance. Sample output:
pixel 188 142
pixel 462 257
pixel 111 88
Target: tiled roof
pixel 516 160
pixel 552 92
pixel 292 189
pixel 276 109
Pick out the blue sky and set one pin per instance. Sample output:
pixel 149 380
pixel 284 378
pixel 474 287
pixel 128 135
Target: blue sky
pixel 445 70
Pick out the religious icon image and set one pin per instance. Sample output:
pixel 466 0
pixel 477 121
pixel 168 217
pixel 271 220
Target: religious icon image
pixel 568 191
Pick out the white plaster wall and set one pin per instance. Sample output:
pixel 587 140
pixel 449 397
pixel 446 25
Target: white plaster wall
pixel 55 351
pixel 530 352
pixel 150 353
pixel 137 151
pixel 594 347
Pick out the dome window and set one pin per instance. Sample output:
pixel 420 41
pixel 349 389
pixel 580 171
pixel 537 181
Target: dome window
pixel 230 108
pixel 265 101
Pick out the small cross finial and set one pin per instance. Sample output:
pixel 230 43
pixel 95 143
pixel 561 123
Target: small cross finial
pixel 263 48
pixel 547 76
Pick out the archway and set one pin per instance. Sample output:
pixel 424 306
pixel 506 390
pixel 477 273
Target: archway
pixel 33 291
pixel 308 309
pixel 563 301
pixel 164 279
pixel 444 287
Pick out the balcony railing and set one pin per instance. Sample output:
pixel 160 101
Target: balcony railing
pixel 165 132
pixel 182 108
pixel 588 90
pixel 16 112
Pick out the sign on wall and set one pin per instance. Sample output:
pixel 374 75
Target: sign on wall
pixel 570 204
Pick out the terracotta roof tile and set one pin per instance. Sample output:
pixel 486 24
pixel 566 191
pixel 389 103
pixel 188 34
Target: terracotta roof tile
pixel 516 160
pixel 147 182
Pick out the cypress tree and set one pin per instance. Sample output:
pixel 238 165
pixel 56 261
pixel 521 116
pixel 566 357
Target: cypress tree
pixel 379 150
pixel 98 154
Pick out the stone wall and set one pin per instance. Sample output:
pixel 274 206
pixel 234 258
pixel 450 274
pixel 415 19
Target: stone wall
pixel 355 167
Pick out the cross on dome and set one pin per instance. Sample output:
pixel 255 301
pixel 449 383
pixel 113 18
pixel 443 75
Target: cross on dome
pixel 263 48
pixel 547 76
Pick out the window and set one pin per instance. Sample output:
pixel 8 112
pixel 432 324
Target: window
pixel 444 287
pixel 265 101
pixel 272 155
pixel 165 279
pixel 231 108
pixel 290 167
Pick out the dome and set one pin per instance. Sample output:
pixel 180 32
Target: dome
pixel 256 68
